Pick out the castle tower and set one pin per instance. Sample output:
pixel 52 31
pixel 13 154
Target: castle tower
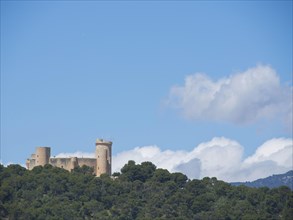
pixel 103 156
pixel 42 156
pixel 73 163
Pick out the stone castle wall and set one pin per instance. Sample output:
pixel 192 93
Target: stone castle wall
pixel 101 164
pixel 72 162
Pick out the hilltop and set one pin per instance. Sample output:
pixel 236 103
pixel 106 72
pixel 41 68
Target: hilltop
pixel 140 191
pixel 273 181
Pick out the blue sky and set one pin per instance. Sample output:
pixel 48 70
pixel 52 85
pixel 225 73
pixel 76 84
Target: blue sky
pixel 74 71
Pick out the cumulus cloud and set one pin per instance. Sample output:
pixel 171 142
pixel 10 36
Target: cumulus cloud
pixel 164 159
pixel 192 168
pixel 274 156
pixel 240 98
pixel 275 149
pixel 220 157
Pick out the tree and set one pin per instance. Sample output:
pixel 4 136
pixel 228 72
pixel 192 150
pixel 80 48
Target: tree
pixel 179 178
pixel 161 175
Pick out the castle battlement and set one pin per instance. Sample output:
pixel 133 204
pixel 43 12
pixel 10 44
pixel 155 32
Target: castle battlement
pixel 101 163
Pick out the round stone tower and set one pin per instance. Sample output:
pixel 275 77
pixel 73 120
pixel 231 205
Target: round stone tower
pixel 73 163
pixel 103 156
pixel 42 155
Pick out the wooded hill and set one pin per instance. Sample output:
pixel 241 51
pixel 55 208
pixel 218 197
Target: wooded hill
pixel 285 179
pixel 140 191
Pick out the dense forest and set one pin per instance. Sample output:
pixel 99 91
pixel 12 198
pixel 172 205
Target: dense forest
pixel 140 191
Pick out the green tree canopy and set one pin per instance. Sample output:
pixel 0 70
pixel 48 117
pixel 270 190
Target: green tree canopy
pixel 140 191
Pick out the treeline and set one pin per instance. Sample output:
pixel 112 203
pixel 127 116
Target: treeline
pixel 140 191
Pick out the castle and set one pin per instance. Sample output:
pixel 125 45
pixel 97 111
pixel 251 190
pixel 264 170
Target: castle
pixel 101 163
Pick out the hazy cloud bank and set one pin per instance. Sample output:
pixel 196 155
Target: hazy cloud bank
pixel 220 157
pixel 240 98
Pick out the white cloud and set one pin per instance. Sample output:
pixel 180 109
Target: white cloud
pixel 274 156
pixel 240 98
pixel 76 154
pixel 275 149
pixel 164 159
pixel 6 164
pixel 220 157
pixel 11 163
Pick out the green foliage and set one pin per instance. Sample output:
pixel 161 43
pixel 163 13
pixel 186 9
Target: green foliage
pixel 83 170
pixel 140 191
pixel 132 172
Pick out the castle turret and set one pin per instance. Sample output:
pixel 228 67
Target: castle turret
pixel 73 163
pixel 103 157
pixel 42 156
